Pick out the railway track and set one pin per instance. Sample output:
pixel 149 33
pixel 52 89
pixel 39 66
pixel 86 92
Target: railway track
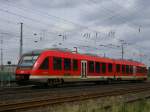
pixel 77 96
pixel 31 88
pixel 31 92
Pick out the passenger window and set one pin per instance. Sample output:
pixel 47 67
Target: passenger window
pixel 118 68
pixel 103 67
pixel 67 64
pixel 91 66
pixel 75 65
pixel 131 69
pixel 97 67
pixel 57 63
pixel 45 64
pixel 141 69
pixel 109 67
pixel 123 69
pixel 127 69
pixel 138 69
pixel 144 70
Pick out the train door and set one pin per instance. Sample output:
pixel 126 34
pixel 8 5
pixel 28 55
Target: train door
pixel 83 69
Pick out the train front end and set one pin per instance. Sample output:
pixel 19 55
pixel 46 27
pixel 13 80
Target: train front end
pixel 25 67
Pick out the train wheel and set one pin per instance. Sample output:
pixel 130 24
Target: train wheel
pixel 54 82
pixel 50 82
pixel 109 81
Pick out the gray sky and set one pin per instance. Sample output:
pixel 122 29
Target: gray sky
pixel 85 24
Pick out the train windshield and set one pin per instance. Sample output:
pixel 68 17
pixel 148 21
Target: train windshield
pixel 28 61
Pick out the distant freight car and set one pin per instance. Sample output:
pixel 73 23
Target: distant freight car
pixel 54 66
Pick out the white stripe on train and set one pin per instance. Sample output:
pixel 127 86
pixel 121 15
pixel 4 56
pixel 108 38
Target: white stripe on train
pixel 88 77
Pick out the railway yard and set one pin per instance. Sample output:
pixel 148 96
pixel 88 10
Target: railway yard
pixel 38 98
pixel 74 56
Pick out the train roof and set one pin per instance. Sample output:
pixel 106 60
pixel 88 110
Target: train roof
pixel 39 51
pixel 129 62
pixel 68 53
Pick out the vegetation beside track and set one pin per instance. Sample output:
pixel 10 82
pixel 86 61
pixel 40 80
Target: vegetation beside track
pixel 7 76
pixel 100 106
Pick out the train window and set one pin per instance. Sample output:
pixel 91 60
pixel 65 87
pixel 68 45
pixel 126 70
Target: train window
pixel 131 69
pixel 27 60
pixel 75 65
pixel 45 64
pixel 67 64
pixel 138 69
pixel 123 69
pixel 97 67
pixel 109 67
pixel 57 63
pixel 103 67
pixel 127 69
pixel 91 66
pixel 118 68
pixel 144 70
pixel 141 70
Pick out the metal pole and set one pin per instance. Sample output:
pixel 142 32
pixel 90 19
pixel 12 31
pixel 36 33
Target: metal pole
pixel 2 53
pixel 1 80
pixel 122 50
pixel 1 62
pixel 21 39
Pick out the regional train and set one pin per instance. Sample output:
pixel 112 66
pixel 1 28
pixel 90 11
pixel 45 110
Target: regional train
pixel 56 66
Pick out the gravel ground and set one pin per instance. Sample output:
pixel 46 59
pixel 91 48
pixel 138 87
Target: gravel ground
pixel 95 105
pixel 37 93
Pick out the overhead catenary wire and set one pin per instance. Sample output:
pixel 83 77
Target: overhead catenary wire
pixel 28 18
pixel 28 37
pixel 59 18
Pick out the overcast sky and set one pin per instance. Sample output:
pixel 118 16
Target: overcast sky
pixel 86 24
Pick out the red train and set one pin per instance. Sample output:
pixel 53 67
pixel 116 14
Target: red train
pixel 55 66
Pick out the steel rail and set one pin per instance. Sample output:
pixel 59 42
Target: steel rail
pixel 24 90
pixel 8 106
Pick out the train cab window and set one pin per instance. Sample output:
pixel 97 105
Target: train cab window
pixel 75 65
pixel 103 67
pixel 127 69
pixel 97 67
pixel 131 69
pixel 67 64
pixel 91 66
pixel 123 69
pixel 45 64
pixel 109 67
pixel 57 63
pixel 118 68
